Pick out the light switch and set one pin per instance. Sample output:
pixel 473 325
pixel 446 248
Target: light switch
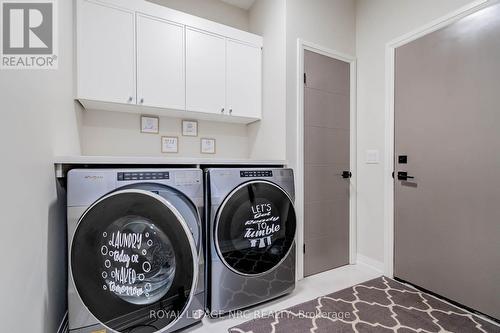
pixel 372 156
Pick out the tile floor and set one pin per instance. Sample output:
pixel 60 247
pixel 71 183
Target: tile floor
pixel 305 290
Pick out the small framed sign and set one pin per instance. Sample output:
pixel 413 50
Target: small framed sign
pixel 207 146
pixel 150 124
pixel 169 144
pixel 189 128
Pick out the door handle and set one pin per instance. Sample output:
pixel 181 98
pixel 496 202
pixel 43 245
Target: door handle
pixel 403 175
pixel 346 174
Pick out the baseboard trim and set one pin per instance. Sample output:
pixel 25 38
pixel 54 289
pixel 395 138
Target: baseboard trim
pixel 370 263
pixel 451 302
pixel 63 326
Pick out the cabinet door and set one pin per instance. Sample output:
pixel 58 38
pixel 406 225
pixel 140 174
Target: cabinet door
pixel 244 72
pixel 160 63
pixel 205 72
pixel 106 49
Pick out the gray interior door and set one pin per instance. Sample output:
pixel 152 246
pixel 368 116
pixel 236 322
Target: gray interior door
pixel 447 121
pixel 326 145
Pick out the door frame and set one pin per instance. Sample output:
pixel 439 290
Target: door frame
pixel 390 51
pixel 302 46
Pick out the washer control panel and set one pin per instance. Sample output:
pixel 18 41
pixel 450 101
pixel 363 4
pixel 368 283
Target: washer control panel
pixel 127 176
pixel 256 173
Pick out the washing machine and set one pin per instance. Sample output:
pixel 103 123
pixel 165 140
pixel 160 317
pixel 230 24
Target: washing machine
pixel 250 237
pixel 135 250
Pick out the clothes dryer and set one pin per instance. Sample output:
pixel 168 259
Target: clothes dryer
pixel 135 250
pixel 250 237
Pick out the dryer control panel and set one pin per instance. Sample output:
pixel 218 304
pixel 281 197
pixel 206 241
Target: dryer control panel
pixel 256 173
pixel 127 176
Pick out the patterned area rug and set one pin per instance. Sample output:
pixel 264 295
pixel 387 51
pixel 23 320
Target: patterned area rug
pixel 376 306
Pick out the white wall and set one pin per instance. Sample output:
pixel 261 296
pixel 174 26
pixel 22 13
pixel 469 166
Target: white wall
pixel 114 133
pixel 267 138
pixel 214 10
pixel 37 120
pixel 379 22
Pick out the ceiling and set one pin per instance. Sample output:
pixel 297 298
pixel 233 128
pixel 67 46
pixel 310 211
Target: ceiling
pixel 244 4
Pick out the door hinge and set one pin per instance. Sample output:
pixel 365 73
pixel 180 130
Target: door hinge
pixel 304 248
pixel 305 78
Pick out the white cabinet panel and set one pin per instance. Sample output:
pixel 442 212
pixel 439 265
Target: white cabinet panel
pixel 160 63
pixel 205 72
pixel 244 72
pixel 106 53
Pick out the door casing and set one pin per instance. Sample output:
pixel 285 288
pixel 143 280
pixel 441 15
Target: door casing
pixel 299 169
pixel 389 117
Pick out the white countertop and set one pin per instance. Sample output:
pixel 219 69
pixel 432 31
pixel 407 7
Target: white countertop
pixel 83 159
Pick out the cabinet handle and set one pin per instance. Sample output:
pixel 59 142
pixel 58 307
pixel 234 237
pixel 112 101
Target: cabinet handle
pixel 142 100
pixel 230 111
pixel 222 111
pixel 130 99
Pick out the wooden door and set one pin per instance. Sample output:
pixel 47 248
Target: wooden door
pixel 447 144
pixel 327 157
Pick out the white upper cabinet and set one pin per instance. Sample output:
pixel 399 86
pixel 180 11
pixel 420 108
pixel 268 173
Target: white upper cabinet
pixel 205 72
pixel 106 53
pixel 244 75
pixel 136 56
pixel 160 63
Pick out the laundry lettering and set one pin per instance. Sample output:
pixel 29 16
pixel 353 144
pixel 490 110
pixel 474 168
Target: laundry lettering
pixel 125 263
pixel 125 258
pixel 260 229
pixel 270 219
pixel 126 240
pixel 125 290
pixel 266 231
pixel 263 208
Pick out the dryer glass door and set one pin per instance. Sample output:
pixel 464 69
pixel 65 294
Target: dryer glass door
pixel 133 261
pixel 255 228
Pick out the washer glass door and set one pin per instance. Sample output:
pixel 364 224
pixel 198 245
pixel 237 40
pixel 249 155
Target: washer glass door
pixel 255 228
pixel 133 261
